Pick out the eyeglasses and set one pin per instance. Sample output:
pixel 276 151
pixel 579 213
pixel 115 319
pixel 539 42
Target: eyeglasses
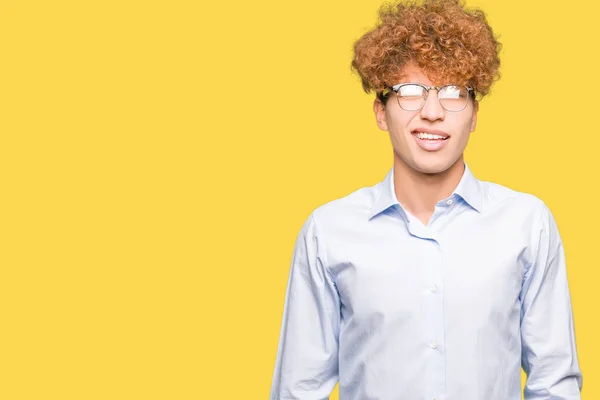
pixel 412 96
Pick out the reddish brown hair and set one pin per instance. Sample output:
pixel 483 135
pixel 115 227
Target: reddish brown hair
pixel 449 42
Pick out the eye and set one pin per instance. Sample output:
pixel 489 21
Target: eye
pixel 452 92
pixel 411 91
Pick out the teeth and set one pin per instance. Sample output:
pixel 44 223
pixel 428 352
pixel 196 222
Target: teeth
pixel 430 136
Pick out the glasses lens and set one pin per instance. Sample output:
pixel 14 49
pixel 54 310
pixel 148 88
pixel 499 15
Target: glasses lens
pixel 411 97
pixel 453 98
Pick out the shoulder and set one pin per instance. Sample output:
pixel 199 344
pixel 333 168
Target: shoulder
pixel 357 203
pixel 524 215
pixel 497 196
pixel 520 211
pixel 336 219
pixel 347 211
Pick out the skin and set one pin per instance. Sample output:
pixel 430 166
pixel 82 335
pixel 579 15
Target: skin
pixel 422 178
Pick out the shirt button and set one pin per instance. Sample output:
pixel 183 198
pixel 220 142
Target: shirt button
pixel 433 289
pixel 449 202
pixel 433 345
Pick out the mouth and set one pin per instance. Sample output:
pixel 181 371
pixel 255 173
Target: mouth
pixel 430 135
pixel 430 140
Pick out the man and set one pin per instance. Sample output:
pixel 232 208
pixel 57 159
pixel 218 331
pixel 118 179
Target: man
pixel 430 285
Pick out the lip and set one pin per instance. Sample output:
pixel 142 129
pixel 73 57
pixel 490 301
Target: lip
pixel 430 145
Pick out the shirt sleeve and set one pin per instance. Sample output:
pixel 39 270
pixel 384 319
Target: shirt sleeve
pixel 549 354
pixel 307 357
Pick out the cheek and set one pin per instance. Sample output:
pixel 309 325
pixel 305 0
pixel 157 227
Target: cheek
pixel 464 127
pixel 397 123
pixel 399 135
pixel 464 133
pixel 465 139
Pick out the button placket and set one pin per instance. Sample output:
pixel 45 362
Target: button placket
pixel 436 343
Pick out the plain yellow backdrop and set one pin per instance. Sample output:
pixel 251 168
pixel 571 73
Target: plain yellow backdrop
pixel 157 159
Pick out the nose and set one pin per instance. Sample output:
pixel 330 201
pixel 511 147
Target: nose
pixel 432 109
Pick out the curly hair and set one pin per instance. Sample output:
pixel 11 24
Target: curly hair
pixel 450 43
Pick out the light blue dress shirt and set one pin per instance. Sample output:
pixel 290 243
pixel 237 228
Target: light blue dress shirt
pixel 395 310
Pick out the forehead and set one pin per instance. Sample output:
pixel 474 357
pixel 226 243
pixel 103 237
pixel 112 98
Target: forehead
pixel 412 73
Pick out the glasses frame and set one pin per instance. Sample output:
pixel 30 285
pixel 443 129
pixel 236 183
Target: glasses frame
pixel 396 88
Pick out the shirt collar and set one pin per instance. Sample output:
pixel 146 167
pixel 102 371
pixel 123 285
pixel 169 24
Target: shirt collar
pixel 469 189
pixel 386 197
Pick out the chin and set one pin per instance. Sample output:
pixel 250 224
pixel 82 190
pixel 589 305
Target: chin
pixel 433 167
pixel 429 164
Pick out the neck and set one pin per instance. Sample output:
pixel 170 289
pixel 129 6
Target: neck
pixel 419 192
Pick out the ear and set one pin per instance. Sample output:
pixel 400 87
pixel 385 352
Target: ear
pixel 474 118
pixel 379 111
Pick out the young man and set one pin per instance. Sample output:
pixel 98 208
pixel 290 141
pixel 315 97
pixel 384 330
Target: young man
pixel 431 285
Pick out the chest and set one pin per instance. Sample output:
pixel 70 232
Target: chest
pixel 397 273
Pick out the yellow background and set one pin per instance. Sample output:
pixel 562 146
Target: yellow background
pixel 157 160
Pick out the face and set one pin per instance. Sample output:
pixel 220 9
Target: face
pixel 413 149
